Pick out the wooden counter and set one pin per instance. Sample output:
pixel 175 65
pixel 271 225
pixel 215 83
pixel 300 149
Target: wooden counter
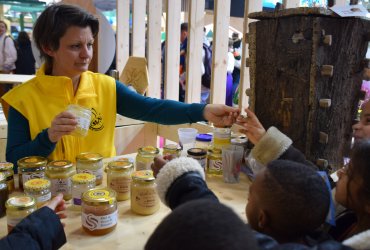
pixel 133 230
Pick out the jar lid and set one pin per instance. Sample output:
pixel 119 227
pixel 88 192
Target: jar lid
pixel 120 165
pixel 149 150
pixel 20 202
pixel 197 152
pixel 204 137
pixel 215 151
pixel 4 165
pixel 89 157
pixel 78 107
pixel 99 196
pixel 2 177
pixel 83 178
pixel 59 165
pixel 37 184
pixel 32 162
pixel 143 175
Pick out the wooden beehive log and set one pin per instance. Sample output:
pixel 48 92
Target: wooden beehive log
pixel 247 62
pixel 246 37
pixel 325 103
pixel 324 138
pixel 327 40
pixel 327 70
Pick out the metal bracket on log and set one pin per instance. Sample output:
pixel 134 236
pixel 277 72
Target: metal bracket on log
pixel 327 70
pixel 325 103
pixel 326 39
pixel 322 163
pixel 248 92
pixel 323 138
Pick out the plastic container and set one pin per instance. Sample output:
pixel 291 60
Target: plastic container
pixel 119 178
pixel 81 183
pixel 38 189
pixel 17 208
pixel 83 116
pixel 144 197
pixel 145 157
pixel 91 163
pixel 31 167
pixel 99 213
pixel 7 169
pixel 60 175
pixel 200 155
pixel 203 141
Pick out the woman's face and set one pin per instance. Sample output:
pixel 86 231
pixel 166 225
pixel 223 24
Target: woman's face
pixel 2 28
pixel 74 53
pixel 361 130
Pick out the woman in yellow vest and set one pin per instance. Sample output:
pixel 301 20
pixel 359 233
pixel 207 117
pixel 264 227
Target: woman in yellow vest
pixel 37 121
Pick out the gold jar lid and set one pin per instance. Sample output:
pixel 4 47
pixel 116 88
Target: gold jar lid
pixel 149 151
pixel 143 176
pixel 59 165
pixel 37 184
pixel 6 166
pixel 89 157
pixel 32 162
pixel 83 178
pixel 99 196
pixel 20 202
pixel 172 147
pixel 121 166
pixel 197 152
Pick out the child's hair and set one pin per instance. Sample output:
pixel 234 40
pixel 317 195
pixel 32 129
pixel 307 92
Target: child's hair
pixel 360 161
pixel 202 224
pixel 298 197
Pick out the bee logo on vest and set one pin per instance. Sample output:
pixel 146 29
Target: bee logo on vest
pixel 96 121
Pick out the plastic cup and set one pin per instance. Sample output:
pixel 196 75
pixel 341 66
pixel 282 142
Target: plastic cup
pixel 187 137
pixel 231 162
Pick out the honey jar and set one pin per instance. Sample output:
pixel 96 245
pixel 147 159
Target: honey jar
pixel 214 166
pixel 221 137
pixel 83 117
pixel 91 163
pixel 7 169
pixel 144 197
pixel 81 183
pixel 99 211
pixel 200 155
pixel 17 208
pixel 119 178
pixel 31 167
pixel 4 192
pixel 172 150
pixel 60 175
pixel 145 157
pixel 38 189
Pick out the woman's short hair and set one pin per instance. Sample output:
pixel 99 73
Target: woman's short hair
pixel 53 23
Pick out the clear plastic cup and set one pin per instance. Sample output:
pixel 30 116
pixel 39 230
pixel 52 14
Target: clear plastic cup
pixel 83 116
pixel 187 138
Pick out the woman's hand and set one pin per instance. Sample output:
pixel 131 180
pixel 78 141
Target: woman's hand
pixel 220 115
pixel 253 129
pixel 57 204
pixel 63 124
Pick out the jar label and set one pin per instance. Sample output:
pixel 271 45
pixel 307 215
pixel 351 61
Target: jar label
pixel 143 165
pixel 83 122
pixel 94 222
pixel 145 197
pixel 76 196
pixel 35 175
pixel 215 165
pixel 63 186
pixel 43 198
pixel 120 184
pixel 98 173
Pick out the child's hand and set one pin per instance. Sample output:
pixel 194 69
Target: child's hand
pixel 58 205
pixel 158 163
pixel 253 129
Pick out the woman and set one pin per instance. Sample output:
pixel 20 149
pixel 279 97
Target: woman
pixel 38 124
pixel 25 64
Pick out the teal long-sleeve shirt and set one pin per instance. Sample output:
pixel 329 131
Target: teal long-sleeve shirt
pixel 129 104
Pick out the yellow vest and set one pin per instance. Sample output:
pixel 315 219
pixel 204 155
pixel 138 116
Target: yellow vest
pixel 43 97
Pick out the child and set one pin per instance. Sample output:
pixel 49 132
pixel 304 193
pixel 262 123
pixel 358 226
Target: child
pixel 362 128
pixel 284 190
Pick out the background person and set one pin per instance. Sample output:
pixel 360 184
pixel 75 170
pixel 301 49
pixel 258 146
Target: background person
pixel 25 63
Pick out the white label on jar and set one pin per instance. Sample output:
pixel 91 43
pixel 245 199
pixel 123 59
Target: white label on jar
pixel 83 122
pixel 94 222
pixel 143 166
pixel 145 197
pixel 43 198
pixel 13 221
pixel 63 186
pixel 215 165
pixel 120 184
pixel 98 173
pixel 28 176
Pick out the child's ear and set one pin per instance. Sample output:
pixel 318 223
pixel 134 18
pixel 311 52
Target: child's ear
pixel 263 219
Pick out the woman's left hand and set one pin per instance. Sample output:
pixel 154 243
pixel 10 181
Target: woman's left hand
pixel 220 115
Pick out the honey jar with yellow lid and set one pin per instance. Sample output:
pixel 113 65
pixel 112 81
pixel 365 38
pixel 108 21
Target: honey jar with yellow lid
pixel 145 157
pixel 31 167
pixel 60 174
pixel 4 193
pixel 144 197
pixel 81 183
pixel 99 212
pixel 119 178
pixel 38 189
pixel 17 208
pixel 91 163
pixel 172 150
pixel 7 169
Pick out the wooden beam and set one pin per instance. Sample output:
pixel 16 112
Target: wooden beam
pixel 138 27
pixel 154 48
pixel 122 34
pixel 194 51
